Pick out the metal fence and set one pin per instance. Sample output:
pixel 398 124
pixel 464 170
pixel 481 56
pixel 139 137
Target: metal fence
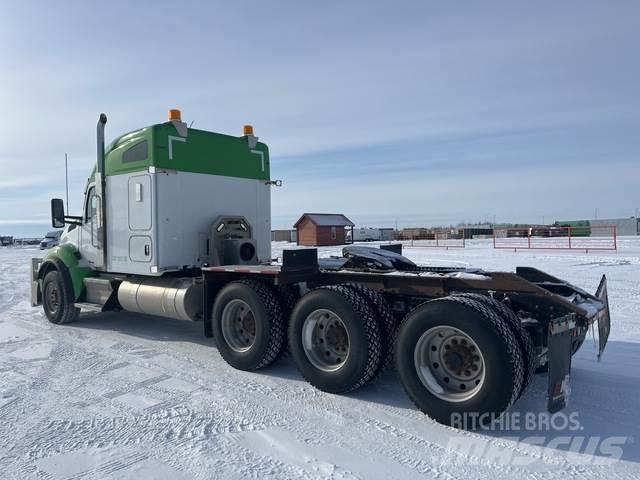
pixel 594 237
pixel 438 239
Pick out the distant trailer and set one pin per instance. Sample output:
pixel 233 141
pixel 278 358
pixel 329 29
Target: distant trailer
pixel 6 240
pixel 386 234
pixel 283 235
pixel 366 234
pixel 27 241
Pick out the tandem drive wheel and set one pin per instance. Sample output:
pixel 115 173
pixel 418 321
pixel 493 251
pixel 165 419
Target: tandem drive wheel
pixel 459 361
pixel 334 339
pixel 522 335
pixel 449 363
pixel 248 324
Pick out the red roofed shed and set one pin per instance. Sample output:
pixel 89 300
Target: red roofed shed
pixel 320 229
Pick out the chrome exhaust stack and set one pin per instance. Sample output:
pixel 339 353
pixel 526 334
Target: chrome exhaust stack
pixel 100 179
pixel 102 121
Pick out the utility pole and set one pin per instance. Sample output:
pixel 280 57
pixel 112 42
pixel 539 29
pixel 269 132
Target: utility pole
pixel 66 180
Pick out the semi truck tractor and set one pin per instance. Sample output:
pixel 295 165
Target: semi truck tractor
pixel 176 223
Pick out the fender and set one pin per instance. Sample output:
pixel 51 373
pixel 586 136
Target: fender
pixel 65 258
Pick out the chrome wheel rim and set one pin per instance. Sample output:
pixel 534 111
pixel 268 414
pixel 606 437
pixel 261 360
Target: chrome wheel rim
pixel 449 364
pixel 325 340
pixel 238 325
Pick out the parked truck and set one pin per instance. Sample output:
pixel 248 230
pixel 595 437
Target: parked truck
pixel 176 223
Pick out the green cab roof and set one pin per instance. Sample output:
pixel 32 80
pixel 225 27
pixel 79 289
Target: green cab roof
pixel 199 151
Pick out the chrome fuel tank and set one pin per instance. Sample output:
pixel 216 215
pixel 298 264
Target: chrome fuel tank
pixel 179 298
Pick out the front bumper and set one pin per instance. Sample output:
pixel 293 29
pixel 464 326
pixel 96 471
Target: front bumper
pixel 36 296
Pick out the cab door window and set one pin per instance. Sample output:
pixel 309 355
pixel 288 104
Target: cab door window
pixel 91 215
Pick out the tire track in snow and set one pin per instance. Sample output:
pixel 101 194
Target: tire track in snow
pixel 8 303
pixel 110 467
pixel 245 389
pixel 119 432
pixel 69 434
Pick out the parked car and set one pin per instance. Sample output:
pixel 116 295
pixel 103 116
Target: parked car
pixel 51 239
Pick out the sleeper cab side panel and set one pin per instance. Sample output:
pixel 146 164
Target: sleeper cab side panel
pixel 131 225
pixel 188 203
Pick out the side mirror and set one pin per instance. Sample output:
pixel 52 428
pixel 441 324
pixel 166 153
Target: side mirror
pixel 57 213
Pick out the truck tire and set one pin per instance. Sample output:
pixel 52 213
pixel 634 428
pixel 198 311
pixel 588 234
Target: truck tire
pixel 459 361
pixel 248 325
pixel 334 339
pixel 386 321
pixel 58 299
pixel 521 334
pixel 289 296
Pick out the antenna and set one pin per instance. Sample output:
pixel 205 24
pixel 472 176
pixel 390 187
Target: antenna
pixel 66 180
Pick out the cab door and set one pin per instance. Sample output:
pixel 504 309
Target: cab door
pixel 89 229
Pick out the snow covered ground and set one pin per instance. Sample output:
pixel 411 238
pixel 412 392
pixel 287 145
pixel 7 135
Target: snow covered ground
pixel 132 396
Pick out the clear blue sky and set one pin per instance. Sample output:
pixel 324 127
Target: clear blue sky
pixel 424 112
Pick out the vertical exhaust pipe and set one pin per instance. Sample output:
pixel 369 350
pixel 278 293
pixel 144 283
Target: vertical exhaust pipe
pixel 102 121
pixel 101 257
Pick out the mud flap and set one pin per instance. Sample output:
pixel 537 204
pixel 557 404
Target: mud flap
pixel 559 343
pixel 604 317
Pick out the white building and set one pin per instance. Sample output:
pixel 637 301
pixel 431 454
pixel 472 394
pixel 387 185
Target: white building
pixel 624 226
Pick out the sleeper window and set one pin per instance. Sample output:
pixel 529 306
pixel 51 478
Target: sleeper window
pixel 136 153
